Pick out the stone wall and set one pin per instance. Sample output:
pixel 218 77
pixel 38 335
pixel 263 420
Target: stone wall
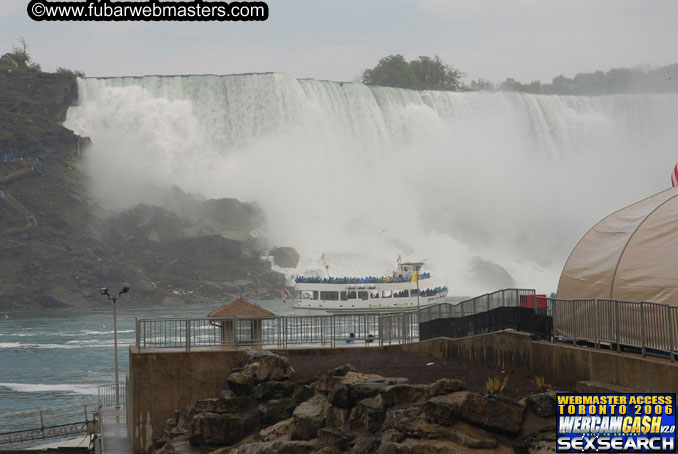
pixel 162 382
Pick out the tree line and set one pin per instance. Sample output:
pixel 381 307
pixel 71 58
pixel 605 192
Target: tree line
pixel 431 73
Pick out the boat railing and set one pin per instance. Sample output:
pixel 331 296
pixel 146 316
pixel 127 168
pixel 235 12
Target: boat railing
pixel 358 280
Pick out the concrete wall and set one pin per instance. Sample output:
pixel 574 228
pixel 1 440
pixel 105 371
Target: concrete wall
pixel 162 382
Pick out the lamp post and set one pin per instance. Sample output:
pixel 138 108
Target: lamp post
pixel 104 291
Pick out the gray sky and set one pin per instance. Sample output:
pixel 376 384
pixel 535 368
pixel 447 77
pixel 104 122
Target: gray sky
pixel 336 40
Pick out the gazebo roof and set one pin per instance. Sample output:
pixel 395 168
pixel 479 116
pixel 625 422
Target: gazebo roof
pixel 241 309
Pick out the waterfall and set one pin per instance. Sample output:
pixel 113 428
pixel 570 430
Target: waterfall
pixel 368 173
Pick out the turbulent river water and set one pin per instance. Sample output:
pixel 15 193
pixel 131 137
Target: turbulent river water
pixel 58 357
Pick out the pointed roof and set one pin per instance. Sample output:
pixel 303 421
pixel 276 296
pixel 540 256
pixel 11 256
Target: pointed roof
pixel 241 309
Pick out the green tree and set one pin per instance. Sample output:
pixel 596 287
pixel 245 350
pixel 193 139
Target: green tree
pixel 19 59
pixel 424 73
pixel 479 85
pixel 432 74
pixel 391 71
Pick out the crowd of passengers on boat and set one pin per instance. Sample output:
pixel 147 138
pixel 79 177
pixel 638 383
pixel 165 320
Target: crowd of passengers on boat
pixel 356 280
pixel 364 294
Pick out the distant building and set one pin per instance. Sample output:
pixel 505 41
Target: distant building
pixel 240 323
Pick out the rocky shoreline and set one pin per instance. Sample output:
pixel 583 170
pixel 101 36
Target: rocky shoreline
pixel 345 411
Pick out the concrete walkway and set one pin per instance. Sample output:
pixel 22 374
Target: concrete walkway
pixel 114 431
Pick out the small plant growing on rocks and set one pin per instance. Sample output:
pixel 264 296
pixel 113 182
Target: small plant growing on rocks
pixel 542 386
pixel 495 385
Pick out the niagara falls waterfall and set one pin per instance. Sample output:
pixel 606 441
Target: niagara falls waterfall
pixel 365 174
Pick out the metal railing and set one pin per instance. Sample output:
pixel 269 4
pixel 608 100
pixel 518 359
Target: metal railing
pixel 638 324
pixel 642 325
pixel 106 395
pixel 27 426
pixel 483 303
pixel 280 332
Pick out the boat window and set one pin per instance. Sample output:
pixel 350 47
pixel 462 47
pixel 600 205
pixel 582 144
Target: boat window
pixel 306 294
pixel 351 295
pixel 386 293
pixel 362 294
pixel 343 297
pixel 413 292
pixel 329 296
pixel 400 294
pixel 374 294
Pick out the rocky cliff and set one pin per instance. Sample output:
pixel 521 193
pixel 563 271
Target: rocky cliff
pixel 56 246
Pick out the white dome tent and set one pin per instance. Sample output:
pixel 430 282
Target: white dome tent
pixel 631 255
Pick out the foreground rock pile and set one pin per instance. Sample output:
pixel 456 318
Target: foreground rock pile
pixel 344 411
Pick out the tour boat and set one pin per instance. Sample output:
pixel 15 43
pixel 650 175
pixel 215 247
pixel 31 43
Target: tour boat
pixel 407 289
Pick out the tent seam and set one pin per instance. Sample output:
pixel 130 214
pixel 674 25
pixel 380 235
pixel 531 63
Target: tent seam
pixel 621 255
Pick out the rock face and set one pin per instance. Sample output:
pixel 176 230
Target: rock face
pixel 176 246
pixel 285 257
pixel 344 411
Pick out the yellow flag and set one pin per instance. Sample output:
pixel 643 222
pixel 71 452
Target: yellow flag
pixel 415 277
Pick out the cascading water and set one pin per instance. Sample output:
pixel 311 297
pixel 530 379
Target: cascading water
pixel 367 173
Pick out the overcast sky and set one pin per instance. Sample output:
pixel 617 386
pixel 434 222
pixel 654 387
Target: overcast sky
pixel 336 40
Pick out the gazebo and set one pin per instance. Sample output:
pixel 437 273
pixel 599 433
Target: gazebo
pixel 240 323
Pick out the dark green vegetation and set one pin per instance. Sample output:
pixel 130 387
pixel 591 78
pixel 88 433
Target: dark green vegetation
pixel 616 80
pixel 426 73
pixel 192 250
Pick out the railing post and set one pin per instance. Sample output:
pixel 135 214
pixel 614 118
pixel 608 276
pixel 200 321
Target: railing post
pixel 574 322
pixel 616 319
pixel 642 328
pixel 42 423
pixel 595 320
pixel 671 340
pixel 138 334
pixel 188 335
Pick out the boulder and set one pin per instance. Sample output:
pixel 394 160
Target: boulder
pixel 447 386
pixel 445 409
pixel 365 446
pixel 308 418
pixel 347 393
pixel 472 441
pixel 492 414
pixel 273 390
pixel 263 365
pixel 303 393
pixel 392 435
pixel 228 402
pixel 221 429
pixel 327 450
pixel 336 438
pixel 368 414
pixel 543 404
pixel 411 421
pixel 278 431
pixel 415 448
pixel 285 257
pixel 183 420
pixel 240 384
pixel 404 394
pixel 335 416
pixel 274 410
pixel 277 447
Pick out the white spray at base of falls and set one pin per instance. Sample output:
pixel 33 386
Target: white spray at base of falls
pixel 367 173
